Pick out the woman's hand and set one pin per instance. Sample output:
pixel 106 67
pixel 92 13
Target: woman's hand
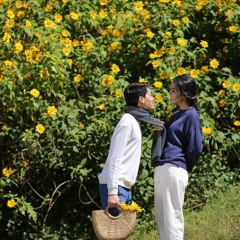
pixel 113 201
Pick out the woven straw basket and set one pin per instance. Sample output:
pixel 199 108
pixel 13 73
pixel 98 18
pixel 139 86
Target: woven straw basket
pixel 107 227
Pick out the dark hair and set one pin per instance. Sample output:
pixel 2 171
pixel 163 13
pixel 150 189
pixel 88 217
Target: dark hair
pixel 133 91
pixel 188 88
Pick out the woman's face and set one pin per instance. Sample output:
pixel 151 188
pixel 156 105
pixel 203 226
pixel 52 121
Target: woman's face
pixel 175 95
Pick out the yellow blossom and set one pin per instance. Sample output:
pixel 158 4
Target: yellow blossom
pixel 141 79
pixel 113 46
pixel 181 71
pixel 24 163
pixel 40 128
pixel 18 4
pixel 221 93
pixel 237 123
pixel 74 15
pixel 107 81
pixel 66 51
pixel 155 64
pixel 35 93
pixel 44 74
pixel 6 37
pixel 158 99
pixel 103 14
pixel 11 203
pixel 20 14
pixel 119 93
pixel 207 130
pixel 18 47
pixel 176 22
pixel 138 6
pixel 58 17
pixel 81 126
pixel 150 34
pixel 87 45
pixel 4 127
pixel 48 8
pixel 185 19
pixel 222 103
pixel 132 207
pixel 103 2
pixel 204 69
pixel 226 84
pixel 233 29
pixel 78 78
pixel 157 84
pixel 7 172
pixel 194 73
pixel 10 14
pixel 28 24
pixel 236 87
pixel 102 107
pixel 204 44
pixel 115 68
pixel 52 110
pixel 182 42
pixel 214 63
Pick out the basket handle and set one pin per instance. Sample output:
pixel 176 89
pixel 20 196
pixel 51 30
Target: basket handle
pixel 111 216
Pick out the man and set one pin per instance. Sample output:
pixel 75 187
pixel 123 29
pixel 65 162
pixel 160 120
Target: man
pixel 120 171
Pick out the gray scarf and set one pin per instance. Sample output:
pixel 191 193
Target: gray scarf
pixel 143 115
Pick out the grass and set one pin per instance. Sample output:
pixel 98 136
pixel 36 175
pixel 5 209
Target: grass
pixel 218 220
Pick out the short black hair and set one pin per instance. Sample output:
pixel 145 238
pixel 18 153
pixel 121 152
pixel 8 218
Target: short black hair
pixel 133 91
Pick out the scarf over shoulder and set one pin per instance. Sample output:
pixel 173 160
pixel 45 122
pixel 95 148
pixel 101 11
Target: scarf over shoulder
pixel 159 137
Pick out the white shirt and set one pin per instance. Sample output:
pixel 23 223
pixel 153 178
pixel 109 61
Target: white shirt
pixel 124 155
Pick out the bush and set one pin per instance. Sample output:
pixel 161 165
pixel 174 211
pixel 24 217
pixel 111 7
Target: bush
pixel 64 65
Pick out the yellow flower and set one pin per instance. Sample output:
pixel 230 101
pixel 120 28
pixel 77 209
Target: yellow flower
pixel 6 37
pixel 10 14
pixel 141 79
pixel 155 64
pixel 222 103
pixel 28 23
pixel 119 93
pixel 52 110
pixel 103 2
pixel 18 47
pixel 226 84
pixel 102 107
pixel 150 34
pixel 58 17
pixel 176 22
pixel 81 126
pixel 207 130
pixel 106 82
pixel 204 69
pixel 11 203
pixel 87 45
pixel 182 42
pixel 7 171
pixel 158 99
pixel 4 127
pixel 35 93
pixel 40 128
pixel 233 29
pixel 48 8
pixel 115 68
pixel 44 74
pixel 74 15
pixel 103 14
pixel 113 46
pixel 221 93
pixel 132 207
pixel 204 44
pixel 236 87
pixel 157 84
pixel 20 14
pixel 214 63
pixel 78 78
pixel 194 73
pixel 237 123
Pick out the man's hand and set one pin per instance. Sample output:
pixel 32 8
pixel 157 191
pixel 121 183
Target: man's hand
pixel 113 201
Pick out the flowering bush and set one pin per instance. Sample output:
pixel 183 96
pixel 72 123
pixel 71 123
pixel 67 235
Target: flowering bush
pixel 64 65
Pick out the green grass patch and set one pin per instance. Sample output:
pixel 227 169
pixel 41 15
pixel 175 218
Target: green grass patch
pixel 218 220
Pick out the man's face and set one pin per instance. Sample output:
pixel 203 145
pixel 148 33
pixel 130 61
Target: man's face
pixel 147 102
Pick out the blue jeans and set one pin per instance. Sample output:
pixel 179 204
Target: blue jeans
pixel 124 194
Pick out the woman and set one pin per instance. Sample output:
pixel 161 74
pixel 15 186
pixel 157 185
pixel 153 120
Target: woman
pixel 182 149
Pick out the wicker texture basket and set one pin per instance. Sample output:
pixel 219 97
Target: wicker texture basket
pixel 107 227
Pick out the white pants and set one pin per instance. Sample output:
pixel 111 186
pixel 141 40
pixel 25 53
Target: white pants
pixel 170 183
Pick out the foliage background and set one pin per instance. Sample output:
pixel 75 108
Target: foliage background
pixel 64 65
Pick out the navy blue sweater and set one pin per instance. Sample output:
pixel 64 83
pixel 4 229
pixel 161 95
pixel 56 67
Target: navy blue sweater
pixel 184 140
